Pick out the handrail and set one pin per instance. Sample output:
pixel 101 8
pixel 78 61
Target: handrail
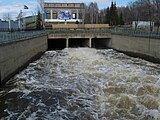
pixel 136 33
pixel 16 36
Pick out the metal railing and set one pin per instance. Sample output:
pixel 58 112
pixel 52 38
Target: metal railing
pixel 116 30
pixel 136 33
pixel 16 36
pixel 76 31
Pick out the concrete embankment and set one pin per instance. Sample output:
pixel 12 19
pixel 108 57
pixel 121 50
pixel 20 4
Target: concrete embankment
pixel 15 55
pixel 146 48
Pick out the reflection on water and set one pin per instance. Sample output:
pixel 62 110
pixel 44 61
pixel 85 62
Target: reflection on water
pixel 83 84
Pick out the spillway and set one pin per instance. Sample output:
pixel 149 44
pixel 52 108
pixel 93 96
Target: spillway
pixel 83 84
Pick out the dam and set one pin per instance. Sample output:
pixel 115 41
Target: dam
pixel 81 83
pixel 24 47
pixel 79 38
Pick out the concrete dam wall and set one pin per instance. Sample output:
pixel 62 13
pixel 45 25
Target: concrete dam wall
pixel 14 55
pixel 146 48
pixel 78 39
pixel 143 47
pixel 54 44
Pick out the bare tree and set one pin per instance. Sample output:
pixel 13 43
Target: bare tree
pixel 7 16
pixel 134 8
pixel 41 5
pixel 86 16
pixel 102 16
pixel 96 12
pixel 150 10
pixel 157 13
pixel 93 12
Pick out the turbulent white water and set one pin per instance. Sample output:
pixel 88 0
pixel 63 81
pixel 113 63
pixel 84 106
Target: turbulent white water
pixel 84 84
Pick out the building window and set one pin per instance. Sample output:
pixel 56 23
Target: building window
pixel 48 15
pixel 74 16
pixel 54 15
pixel 58 5
pixel 80 15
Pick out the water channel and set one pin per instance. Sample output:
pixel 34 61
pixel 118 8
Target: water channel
pixel 83 84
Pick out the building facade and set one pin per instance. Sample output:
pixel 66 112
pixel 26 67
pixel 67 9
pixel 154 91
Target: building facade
pixel 8 25
pixel 29 23
pixel 63 13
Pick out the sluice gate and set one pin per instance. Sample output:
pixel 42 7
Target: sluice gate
pixel 71 40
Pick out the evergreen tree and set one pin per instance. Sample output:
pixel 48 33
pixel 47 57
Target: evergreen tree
pixel 121 21
pixel 116 18
pixel 38 24
pixel 107 20
pixel 111 15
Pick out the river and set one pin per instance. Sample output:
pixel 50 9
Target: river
pixel 83 84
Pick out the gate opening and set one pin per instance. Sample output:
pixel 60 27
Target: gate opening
pixel 56 44
pixel 78 42
pixel 0 79
pixel 100 43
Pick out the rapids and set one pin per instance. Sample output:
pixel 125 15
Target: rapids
pixel 83 84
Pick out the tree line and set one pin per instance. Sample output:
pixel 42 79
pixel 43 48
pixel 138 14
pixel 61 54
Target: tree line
pixel 139 10
pixel 142 10
pixel 110 15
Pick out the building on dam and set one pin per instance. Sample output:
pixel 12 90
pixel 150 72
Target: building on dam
pixel 63 13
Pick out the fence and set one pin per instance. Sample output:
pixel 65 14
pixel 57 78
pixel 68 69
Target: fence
pixel 121 31
pixel 136 33
pixel 15 36
pixel 7 36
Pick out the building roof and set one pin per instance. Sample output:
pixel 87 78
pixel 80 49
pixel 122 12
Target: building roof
pixel 63 4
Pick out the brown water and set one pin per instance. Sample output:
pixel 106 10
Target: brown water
pixel 83 84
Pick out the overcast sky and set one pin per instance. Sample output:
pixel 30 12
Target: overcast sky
pixel 13 7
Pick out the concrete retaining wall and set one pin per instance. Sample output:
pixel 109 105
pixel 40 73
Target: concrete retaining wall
pixel 14 55
pixel 146 48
